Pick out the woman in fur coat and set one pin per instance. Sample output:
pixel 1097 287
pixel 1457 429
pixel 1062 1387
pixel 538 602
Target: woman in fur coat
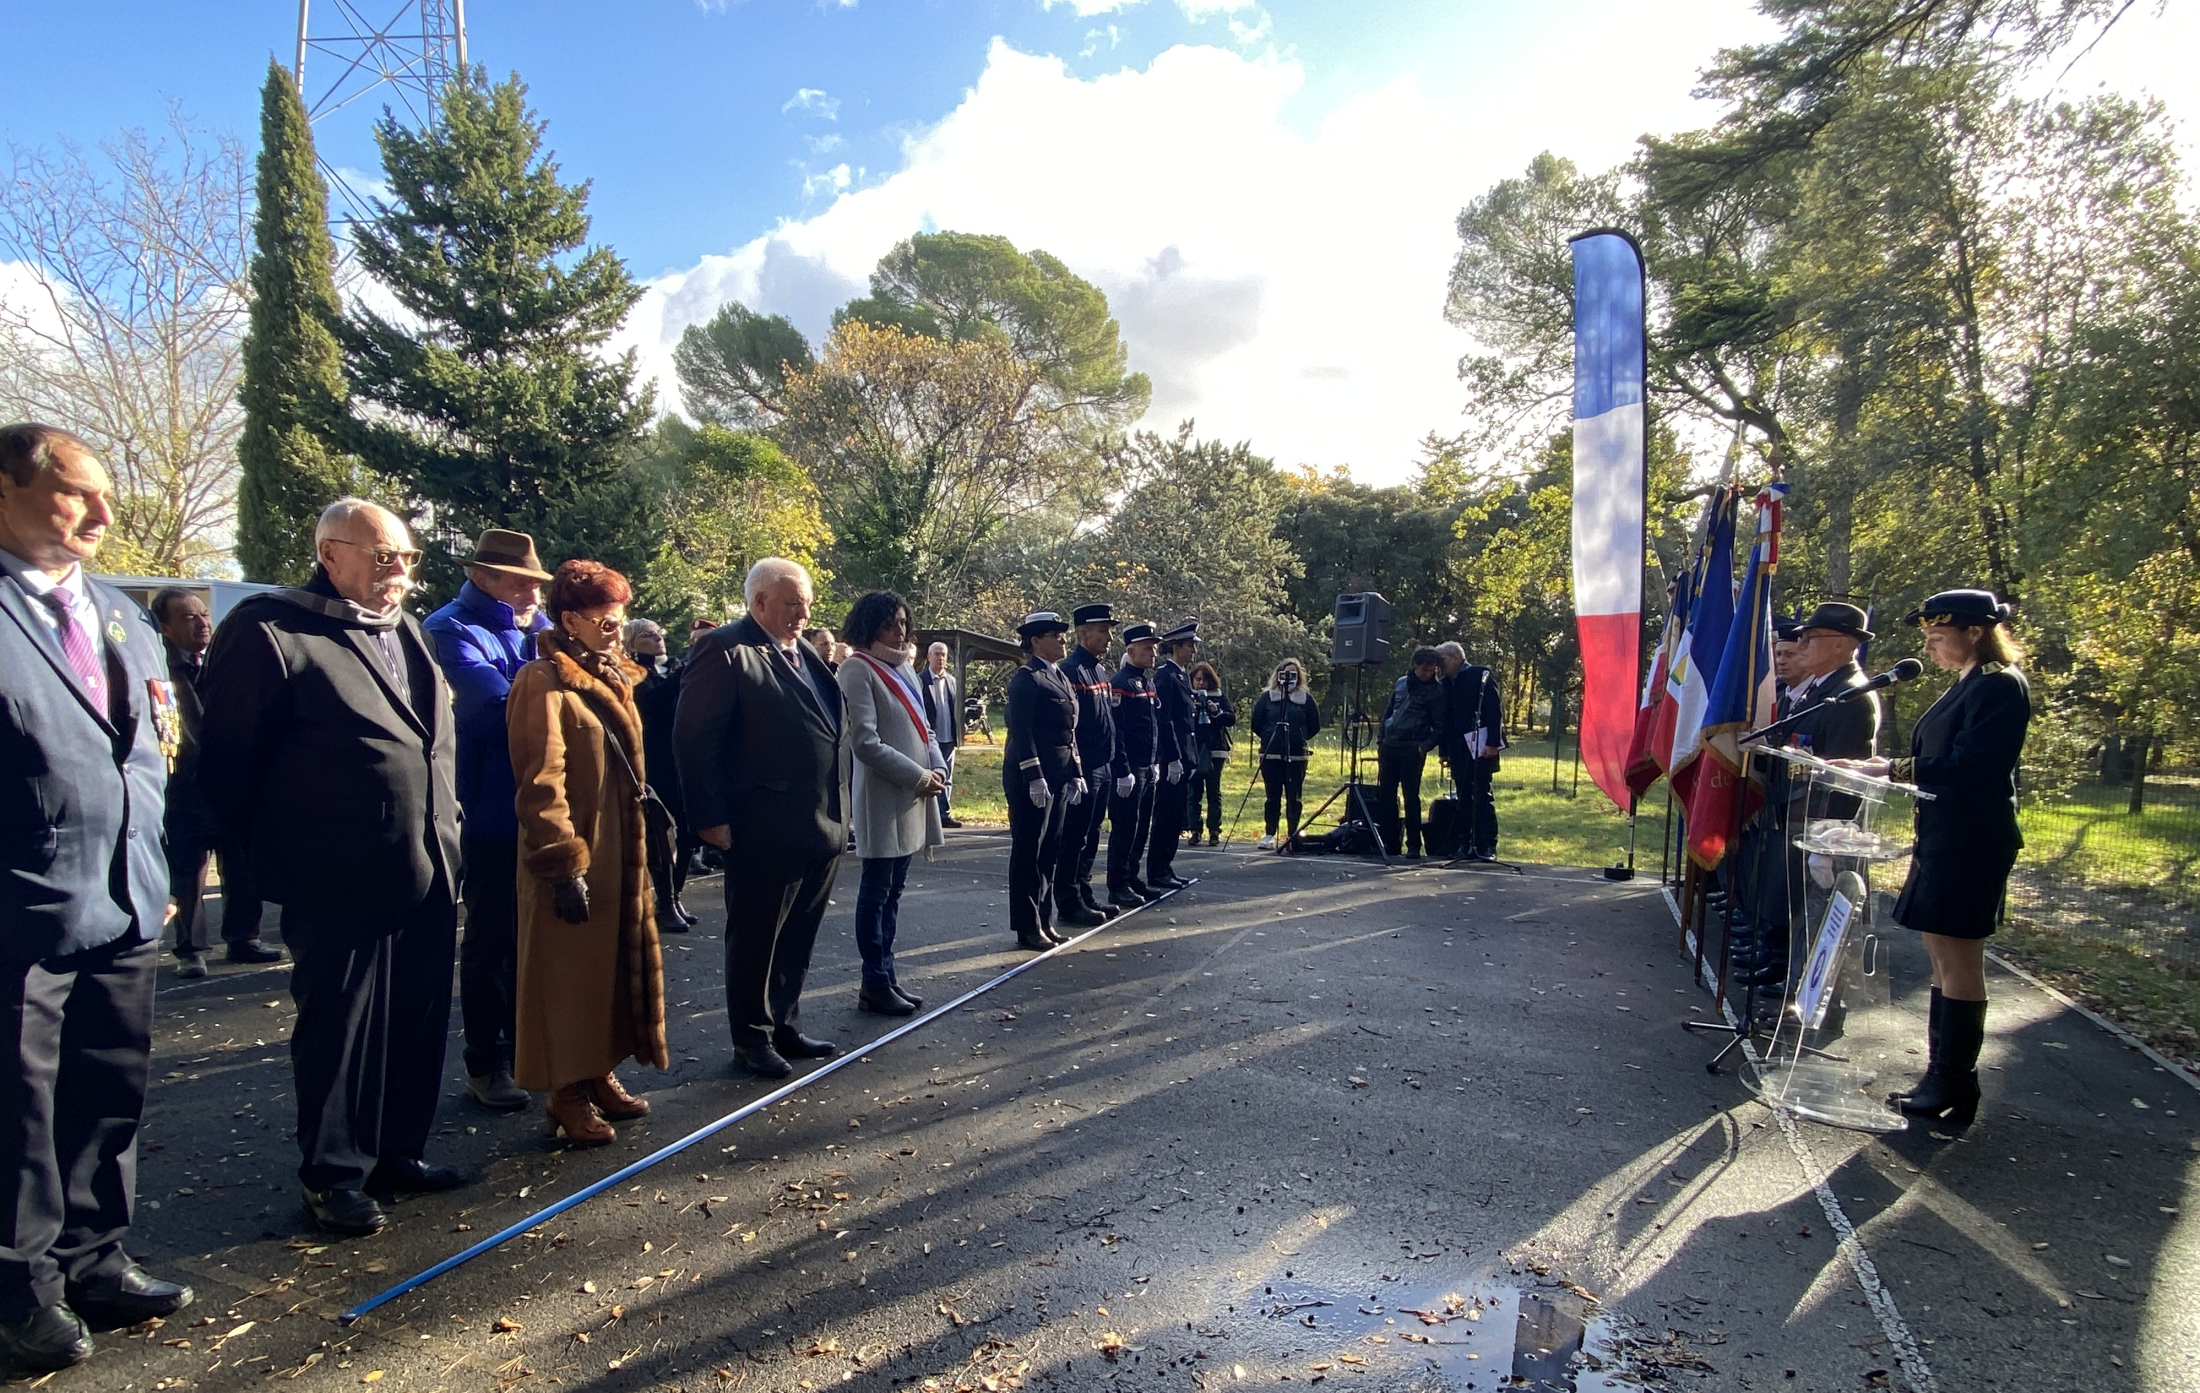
pixel 591 985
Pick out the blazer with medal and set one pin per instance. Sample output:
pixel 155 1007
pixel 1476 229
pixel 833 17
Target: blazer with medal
pixel 82 781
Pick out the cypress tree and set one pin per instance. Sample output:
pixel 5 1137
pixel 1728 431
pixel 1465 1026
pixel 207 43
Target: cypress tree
pixel 496 406
pixel 292 391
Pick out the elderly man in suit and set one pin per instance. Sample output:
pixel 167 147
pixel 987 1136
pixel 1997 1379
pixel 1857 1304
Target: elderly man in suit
pixel 86 730
pixel 329 741
pixel 943 708
pixel 764 762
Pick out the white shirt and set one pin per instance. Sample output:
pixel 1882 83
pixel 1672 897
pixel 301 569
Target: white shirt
pixel 37 584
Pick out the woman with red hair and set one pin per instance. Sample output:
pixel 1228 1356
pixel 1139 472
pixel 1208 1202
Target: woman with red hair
pixel 591 985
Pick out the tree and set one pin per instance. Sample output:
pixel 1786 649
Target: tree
pixel 488 399
pixel 733 367
pixel 293 390
pixel 129 331
pixel 726 500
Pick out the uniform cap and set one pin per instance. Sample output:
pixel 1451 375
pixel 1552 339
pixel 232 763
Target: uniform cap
pixel 1092 614
pixel 1185 632
pixel 1134 632
pixel 1961 607
pixel 1044 621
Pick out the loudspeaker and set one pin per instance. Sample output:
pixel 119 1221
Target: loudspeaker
pixel 1362 632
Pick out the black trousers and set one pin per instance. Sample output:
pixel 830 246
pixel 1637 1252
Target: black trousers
pixel 82 1030
pixel 1076 847
pixel 1130 820
pixel 1472 778
pixel 1284 780
pixel 374 1014
pixel 1034 851
pixel 190 831
pixel 488 956
pixel 772 914
pixel 1206 783
pixel 1399 772
pixel 1170 804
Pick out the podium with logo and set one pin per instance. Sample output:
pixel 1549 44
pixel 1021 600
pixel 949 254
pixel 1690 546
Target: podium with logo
pixel 1839 1045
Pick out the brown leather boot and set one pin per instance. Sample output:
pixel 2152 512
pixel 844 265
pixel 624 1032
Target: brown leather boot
pixel 574 1117
pixel 613 1101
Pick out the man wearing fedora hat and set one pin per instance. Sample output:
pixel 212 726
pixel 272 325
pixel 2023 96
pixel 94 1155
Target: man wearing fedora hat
pixel 1820 666
pixel 482 639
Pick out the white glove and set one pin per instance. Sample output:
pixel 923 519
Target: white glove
pixel 1153 773
pixel 1040 796
pixel 1076 792
pixel 1821 870
pixel 1125 785
pixel 1176 771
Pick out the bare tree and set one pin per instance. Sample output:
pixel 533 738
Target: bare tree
pixel 123 320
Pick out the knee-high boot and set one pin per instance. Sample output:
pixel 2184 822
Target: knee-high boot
pixel 1950 1088
pixel 1932 1045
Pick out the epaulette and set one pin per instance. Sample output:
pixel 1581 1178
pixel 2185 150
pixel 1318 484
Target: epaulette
pixel 1991 668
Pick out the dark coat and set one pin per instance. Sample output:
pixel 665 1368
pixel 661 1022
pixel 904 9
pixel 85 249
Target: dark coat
pixel 1285 725
pixel 946 734
pixel 1136 717
pixel 81 784
pixel 763 750
pixel 1042 729
pixel 1964 751
pixel 1097 747
pixel 1472 703
pixel 1211 729
pixel 1172 689
pixel 657 697
pixel 343 785
pixel 1835 730
pixel 189 816
pixel 1414 719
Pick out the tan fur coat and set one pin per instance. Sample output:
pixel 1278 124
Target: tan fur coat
pixel 589 995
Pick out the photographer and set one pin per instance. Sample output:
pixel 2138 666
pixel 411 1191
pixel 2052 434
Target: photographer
pixel 1285 719
pixel 1212 717
pixel 1412 725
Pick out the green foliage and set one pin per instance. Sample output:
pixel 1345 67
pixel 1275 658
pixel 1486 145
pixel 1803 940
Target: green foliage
pixel 733 367
pixel 724 500
pixel 293 390
pixel 489 402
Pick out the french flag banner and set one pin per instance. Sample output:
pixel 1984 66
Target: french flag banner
pixel 1610 460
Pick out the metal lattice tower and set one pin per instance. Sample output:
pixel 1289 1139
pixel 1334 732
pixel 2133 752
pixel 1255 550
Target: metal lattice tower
pixel 405 59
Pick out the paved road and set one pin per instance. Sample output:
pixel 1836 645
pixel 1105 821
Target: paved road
pixel 1309 1121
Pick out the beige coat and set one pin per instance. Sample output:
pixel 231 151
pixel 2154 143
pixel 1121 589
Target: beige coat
pixel 589 995
pixel 891 756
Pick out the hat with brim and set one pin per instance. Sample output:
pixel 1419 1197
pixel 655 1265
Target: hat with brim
pixel 1785 629
pixel 1186 632
pixel 1092 614
pixel 1138 633
pixel 1044 621
pixel 1963 608
pixel 512 553
pixel 1840 618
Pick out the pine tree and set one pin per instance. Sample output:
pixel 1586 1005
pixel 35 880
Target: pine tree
pixel 293 388
pixel 496 406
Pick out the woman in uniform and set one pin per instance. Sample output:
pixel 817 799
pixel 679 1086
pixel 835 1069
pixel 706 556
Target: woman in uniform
pixel 1041 775
pixel 1964 753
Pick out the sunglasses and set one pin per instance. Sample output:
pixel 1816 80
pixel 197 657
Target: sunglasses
pixel 605 625
pixel 388 558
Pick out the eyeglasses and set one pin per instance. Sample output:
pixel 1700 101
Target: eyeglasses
pixel 609 624
pixel 386 557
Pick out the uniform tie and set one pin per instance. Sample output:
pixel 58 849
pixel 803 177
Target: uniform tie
pixel 76 646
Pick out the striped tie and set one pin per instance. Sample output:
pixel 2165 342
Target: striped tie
pixel 76 646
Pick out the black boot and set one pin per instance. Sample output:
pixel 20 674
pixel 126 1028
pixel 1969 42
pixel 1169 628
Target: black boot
pixel 1933 1018
pixel 1949 1091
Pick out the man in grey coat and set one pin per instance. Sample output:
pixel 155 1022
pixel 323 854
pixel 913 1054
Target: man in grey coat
pixel 86 731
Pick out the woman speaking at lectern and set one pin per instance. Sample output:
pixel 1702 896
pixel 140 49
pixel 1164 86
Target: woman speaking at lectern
pixel 1964 752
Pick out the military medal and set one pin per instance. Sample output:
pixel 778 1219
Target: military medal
pixel 160 697
pixel 116 632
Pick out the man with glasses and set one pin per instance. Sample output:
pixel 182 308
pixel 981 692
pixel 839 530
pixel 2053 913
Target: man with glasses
pixel 329 740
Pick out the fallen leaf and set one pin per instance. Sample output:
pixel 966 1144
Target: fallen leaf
pixel 371 1376
pixel 505 1325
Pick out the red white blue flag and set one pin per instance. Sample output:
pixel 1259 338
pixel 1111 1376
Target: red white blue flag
pixel 1741 698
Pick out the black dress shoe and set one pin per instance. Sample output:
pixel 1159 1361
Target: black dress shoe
pixel 130 1297
pixel 1147 894
pixel 762 1061
pixel 51 1338
pixel 1080 917
pixel 949 823
pixel 403 1175
pixel 885 1003
pixel 346 1211
pixel 687 916
pixel 1033 941
pixel 254 952
pixel 795 1045
pixel 1167 881
pixel 1125 899
pixel 669 919
pixel 916 1003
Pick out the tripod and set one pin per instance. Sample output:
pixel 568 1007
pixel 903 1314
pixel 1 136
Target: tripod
pixel 1354 722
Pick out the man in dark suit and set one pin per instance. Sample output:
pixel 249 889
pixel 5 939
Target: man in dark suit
pixel 86 732
pixel 1172 688
pixel 1821 666
pixel 329 741
pixel 764 758
pixel 943 708
pixel 1087 671
pixel 1474 734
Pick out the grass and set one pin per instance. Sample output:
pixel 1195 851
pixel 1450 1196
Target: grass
pixel 2089 838
pixel 2154 998
pixel 1534 824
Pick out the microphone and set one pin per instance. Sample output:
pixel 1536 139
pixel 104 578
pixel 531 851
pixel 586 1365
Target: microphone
pixel 1909 669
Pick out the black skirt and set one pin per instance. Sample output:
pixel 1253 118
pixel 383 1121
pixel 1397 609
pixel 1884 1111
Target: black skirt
pixel 1955 898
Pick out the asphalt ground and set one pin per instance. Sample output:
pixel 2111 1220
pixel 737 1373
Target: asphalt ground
pixel 1309 1121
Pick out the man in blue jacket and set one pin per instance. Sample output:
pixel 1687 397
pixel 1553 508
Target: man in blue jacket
pixel 86 732
pixel 482 639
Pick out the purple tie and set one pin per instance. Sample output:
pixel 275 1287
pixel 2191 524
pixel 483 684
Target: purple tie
pixel 76 645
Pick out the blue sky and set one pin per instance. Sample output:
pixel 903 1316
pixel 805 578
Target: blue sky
pixel 1264 189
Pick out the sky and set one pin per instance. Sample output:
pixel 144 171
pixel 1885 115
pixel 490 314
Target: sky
pixel 1266 191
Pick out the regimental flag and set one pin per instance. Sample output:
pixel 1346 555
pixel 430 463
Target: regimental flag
pixel 1652 748
pixel 1696 657
pixel 1609 470
pixel 1741 699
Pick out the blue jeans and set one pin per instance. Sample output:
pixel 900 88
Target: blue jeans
pixel 878 907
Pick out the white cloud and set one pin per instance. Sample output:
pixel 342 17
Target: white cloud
pixel 1193 9
pixel 813 99
pixel 1282 287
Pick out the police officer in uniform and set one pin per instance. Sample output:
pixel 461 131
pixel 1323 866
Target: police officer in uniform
pixel 1041 775
pixel 1088 673
pixel 1172 684
pixel 1130 808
